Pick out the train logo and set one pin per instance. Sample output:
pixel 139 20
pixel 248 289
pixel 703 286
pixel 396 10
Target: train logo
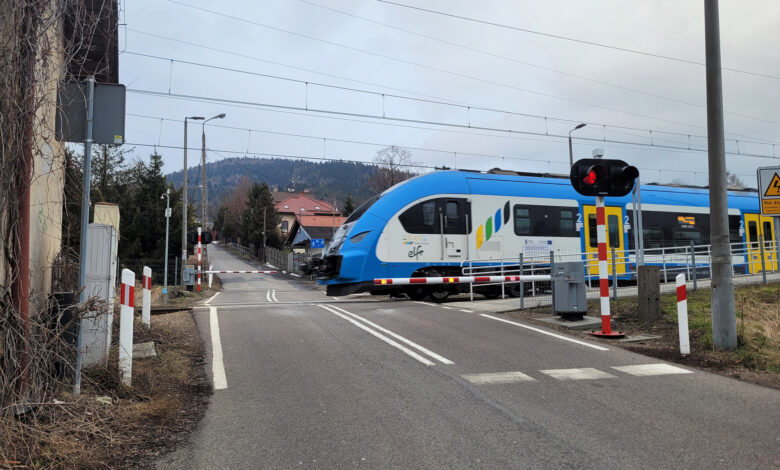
pixel 492 225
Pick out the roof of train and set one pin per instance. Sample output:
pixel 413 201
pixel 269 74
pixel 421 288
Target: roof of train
pixel 541 186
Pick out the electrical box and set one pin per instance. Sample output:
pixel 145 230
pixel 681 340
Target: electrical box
pixel 189 276
pixel 569 290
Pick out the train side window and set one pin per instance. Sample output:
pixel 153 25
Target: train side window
pixel 420 218
pixel 454 211
pixel 613 224
pixel 522 220
pixel 593 231
pixel 566 228
pixel 753 234
pixel 767 231
pixel 653 237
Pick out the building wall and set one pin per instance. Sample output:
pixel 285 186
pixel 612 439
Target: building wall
pixel 46 189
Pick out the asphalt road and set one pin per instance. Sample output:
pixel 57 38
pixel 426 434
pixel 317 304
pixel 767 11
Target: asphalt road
pixel 317 382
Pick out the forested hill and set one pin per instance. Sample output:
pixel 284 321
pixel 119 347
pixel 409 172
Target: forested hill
pixel 327 180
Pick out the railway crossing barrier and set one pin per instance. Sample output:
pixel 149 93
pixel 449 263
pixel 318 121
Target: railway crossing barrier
pixel 405 281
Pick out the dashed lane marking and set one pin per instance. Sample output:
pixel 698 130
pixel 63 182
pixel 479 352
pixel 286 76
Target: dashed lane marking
pixel 646 370
pixel 498 378
pixel 587 373
pixel 466 311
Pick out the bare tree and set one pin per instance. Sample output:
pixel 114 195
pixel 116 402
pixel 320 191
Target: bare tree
pixel 392 166
pixel 733 181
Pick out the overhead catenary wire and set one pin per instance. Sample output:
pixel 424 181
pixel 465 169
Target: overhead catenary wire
pixel 230 102
pixel 439 101
pixel 454 153
pixel 581 41
pixel 438 69
pixel 530 64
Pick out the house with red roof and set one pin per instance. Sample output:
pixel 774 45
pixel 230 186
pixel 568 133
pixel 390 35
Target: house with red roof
pixel 303 204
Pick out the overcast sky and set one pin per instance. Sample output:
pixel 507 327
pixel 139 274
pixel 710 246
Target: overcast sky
pixel 362 45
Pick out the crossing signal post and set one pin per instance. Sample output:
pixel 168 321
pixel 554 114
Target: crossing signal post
pixel 599 177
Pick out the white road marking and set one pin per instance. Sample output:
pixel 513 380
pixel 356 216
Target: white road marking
pixel 268 295
pixel 273 296
pixel 644 370
pixel 467 311
pixel 446 308
pixel 538 330
pixel 425 303
pixel 211 298
pixel 498 378
pixel 586 373
pixel 382 337
pixel 416 346
pixel 217 364
pixel 296 275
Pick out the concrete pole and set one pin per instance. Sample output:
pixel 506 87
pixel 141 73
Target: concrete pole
pixel 84 226
pixel 167 224
pixel 264 234
pixel 724 320
pixel 203 187
pixel 184 211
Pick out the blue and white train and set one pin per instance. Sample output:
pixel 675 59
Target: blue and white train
pixel 430 224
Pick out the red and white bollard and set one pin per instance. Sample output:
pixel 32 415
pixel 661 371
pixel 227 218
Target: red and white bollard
pixel 601 232
pixel 127 300
pixel 200 247
pixel 682 315
pixel 146 306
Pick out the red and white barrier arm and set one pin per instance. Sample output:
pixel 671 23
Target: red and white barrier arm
pixel 404 281
pixel 239 272
pixel 682 315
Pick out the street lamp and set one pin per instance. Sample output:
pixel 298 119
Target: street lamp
pixel 184 202
pixel 571 156
pixel 204 191
pixel 167 196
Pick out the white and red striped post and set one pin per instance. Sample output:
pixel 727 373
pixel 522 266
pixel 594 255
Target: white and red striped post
pixel 601 233
pixel 200 247
pixel 127 300
pixel 146 305
pixel 682 315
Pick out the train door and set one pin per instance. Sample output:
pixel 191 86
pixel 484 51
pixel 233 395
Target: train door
pixel 614 222
pixel 760 226
pixel 454 212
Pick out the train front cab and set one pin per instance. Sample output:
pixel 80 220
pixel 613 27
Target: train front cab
pixel 757 228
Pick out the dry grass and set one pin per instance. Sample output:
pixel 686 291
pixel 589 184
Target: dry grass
pixel 167 399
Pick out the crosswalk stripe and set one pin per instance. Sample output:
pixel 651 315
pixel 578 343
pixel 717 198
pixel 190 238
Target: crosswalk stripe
pixel 587 373
pixel 646 370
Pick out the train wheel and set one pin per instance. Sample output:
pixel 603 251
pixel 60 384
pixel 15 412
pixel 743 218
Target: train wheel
pixel 439 295
pixel 416 293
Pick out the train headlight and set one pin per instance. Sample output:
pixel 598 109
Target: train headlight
pixel 359 237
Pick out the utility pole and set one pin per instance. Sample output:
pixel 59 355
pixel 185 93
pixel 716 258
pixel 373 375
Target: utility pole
pixel 724 319
pixel 264 234
pixel 184 204
pixel 203 168
pixel 167 196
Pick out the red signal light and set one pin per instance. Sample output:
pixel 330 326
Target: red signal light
pixel 590 178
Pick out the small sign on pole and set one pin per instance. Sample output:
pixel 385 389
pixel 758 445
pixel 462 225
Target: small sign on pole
pixel 769 190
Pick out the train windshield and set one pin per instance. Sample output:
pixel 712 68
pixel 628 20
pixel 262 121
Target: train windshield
pixel 354 216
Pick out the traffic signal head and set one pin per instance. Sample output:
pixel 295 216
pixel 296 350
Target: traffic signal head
pixel 601 177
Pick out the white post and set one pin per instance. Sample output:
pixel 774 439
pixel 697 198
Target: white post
pixel 211 275
pixel 200 249
pixel 682 315
pixel 126 326
pixel 146 306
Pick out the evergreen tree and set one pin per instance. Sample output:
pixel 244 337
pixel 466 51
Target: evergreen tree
pixel 252 229
pixel 349 206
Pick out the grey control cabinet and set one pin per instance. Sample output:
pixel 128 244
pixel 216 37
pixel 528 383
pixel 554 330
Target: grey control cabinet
pixel 189 276
pixel 569 289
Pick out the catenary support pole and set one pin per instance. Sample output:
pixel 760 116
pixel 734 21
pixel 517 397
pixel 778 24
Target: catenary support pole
pixel 724 320
pixel 127 301
pixel 184 211
pixel 146 305
pixel 165 261
pixel 84 226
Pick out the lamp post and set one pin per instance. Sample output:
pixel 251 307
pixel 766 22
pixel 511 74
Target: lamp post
pixel 571 155
pixel 167 196
pixel 184 202
pixel 204 190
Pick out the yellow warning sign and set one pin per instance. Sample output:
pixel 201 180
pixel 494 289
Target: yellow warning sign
pixel 770 207
pixel 774 187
